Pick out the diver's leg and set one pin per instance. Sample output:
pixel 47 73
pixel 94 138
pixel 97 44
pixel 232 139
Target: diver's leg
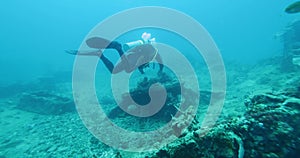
pixel 102 43
pixel 117 46
pixel 109 65
pixel 124 62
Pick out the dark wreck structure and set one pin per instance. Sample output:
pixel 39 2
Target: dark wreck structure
pixel 291 46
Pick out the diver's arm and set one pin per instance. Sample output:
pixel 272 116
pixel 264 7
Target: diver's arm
pixel 160 62
pixel 141 69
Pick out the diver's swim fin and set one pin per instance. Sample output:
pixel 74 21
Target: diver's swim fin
pixel 98 42
pixel 87 53
pixel 73 52
pixel 102 43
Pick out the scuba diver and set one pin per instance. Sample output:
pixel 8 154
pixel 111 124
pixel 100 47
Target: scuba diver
pixel 138 53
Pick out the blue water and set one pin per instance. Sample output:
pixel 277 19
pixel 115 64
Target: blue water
pixel 35 33
pixel 36 72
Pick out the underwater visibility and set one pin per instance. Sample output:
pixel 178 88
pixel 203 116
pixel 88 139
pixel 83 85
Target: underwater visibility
pixel 150 79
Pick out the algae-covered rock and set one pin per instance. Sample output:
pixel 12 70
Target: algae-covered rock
pixel 273 127
pixel 43 102
pixel 269 128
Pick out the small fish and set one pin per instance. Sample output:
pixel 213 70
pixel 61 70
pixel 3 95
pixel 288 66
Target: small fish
pixel 293 8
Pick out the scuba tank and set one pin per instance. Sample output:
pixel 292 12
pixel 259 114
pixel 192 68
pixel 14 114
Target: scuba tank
pixel 145 39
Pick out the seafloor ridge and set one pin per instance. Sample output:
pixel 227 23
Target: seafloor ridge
pixel 260 118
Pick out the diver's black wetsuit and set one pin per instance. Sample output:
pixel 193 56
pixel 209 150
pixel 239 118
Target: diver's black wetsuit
pixel 117 46
pixel 108 63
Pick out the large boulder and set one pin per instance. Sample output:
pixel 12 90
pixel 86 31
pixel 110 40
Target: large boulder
pixel 140 95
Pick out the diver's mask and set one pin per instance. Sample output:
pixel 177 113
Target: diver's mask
pixel 146 38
